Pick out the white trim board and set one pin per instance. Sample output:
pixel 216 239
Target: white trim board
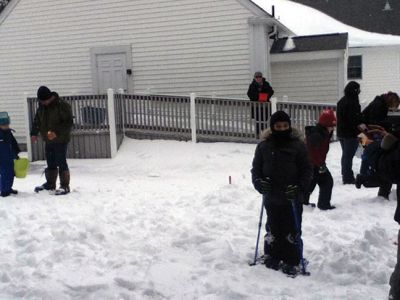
pixel 310 55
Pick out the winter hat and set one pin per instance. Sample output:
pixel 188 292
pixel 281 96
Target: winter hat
pixel 258 74
pixel 327 118
pixel 4 118
pixel 279 116
pixel 44 93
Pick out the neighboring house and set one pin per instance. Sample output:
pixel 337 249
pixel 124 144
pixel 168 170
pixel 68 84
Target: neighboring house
pixel 309 68
pixel 167 46
pixel 377 69
pixel 375 16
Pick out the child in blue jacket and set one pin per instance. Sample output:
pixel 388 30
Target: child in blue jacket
pixel 8 152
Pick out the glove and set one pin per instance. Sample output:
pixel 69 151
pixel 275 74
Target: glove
pixel 263 186
pixel 322 169
pixel 291 191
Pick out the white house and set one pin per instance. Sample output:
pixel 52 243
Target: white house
pixel 376 68
pixel 165 46
pixel 372 59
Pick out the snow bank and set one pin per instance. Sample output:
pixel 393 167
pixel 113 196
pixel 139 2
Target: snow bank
pixel 160 221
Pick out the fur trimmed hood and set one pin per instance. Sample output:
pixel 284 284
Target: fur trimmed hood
pixel 295 134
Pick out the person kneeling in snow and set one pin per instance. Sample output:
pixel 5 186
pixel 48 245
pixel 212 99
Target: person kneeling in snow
pixel 282 172
pixel 9 150
pixel 318 138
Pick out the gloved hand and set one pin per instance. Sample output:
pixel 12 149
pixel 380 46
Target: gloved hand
pixel 291 191
pixel 322 169
pixel 263 186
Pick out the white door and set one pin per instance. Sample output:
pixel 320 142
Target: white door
pixel 111 72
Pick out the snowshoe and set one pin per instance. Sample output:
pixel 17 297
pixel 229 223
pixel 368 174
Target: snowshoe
pixel 43 187
pixel 272 263
pixel 62 191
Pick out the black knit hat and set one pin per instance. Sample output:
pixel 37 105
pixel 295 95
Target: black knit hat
pixel 279 116
pixel 44 93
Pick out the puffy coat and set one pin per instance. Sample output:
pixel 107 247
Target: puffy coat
pixel 9 148
pixel 284 163
pixel 318 139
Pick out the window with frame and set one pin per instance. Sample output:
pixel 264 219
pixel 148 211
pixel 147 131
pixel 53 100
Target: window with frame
pixel 354 67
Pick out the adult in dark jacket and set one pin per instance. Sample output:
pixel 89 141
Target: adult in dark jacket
pixel 259 91
pixel 349 119
pixel 9 150
pixel 53 120
pixel 318 139
pixel 376 112
pixel 282 172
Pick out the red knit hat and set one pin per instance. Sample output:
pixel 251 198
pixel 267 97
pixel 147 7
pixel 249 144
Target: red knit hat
pixel 327 118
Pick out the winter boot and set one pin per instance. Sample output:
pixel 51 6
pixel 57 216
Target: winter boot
pixel 51 179
pixel 5 194
pixel 64 183
pixel 289 270
pixel 12 191
pixel 359 181
pixel 272 263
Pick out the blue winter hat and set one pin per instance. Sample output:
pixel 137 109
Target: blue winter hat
pixel 4 118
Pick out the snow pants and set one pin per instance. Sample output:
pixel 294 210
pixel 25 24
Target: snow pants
pixel 325 183
pixel 394 293
pixel 281 241
pixel 7 175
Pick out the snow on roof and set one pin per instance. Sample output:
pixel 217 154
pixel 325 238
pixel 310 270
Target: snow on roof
pixel 304 20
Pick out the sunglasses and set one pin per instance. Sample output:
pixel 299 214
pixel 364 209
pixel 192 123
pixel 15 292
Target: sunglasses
pixel 257 76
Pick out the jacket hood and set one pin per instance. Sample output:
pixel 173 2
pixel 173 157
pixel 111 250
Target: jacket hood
pixel 351 89
pixel 295 134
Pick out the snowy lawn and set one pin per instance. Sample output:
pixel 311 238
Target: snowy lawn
pixel 161 222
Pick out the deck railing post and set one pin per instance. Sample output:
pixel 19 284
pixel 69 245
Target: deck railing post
pixel 193 116
pixel 112 123
pixel 27 127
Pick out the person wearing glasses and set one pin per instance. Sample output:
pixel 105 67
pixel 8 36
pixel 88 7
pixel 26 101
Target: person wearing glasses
pixel 53 121
pixel 259 91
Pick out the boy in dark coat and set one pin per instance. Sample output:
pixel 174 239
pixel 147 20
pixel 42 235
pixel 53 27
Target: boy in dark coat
pixel 282 172
pixel 259 91
pixel 8 152
pixel 53 120
pixel 318 138
pixel 349 120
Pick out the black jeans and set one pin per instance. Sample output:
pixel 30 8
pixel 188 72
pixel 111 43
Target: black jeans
pixel 349 148
pixel 325 183
pixel 56 156
pixel 283 240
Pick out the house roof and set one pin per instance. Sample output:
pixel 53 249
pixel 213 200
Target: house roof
pixel 380 16
pixel 323 42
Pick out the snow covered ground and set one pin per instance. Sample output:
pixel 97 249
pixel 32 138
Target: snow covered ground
pixel 304 20
pixel 160 221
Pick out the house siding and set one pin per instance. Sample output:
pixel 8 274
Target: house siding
pixel 307 81
pixel 178 47
pixel 380 71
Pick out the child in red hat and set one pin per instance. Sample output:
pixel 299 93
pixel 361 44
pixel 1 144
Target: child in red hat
pixel 318 138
